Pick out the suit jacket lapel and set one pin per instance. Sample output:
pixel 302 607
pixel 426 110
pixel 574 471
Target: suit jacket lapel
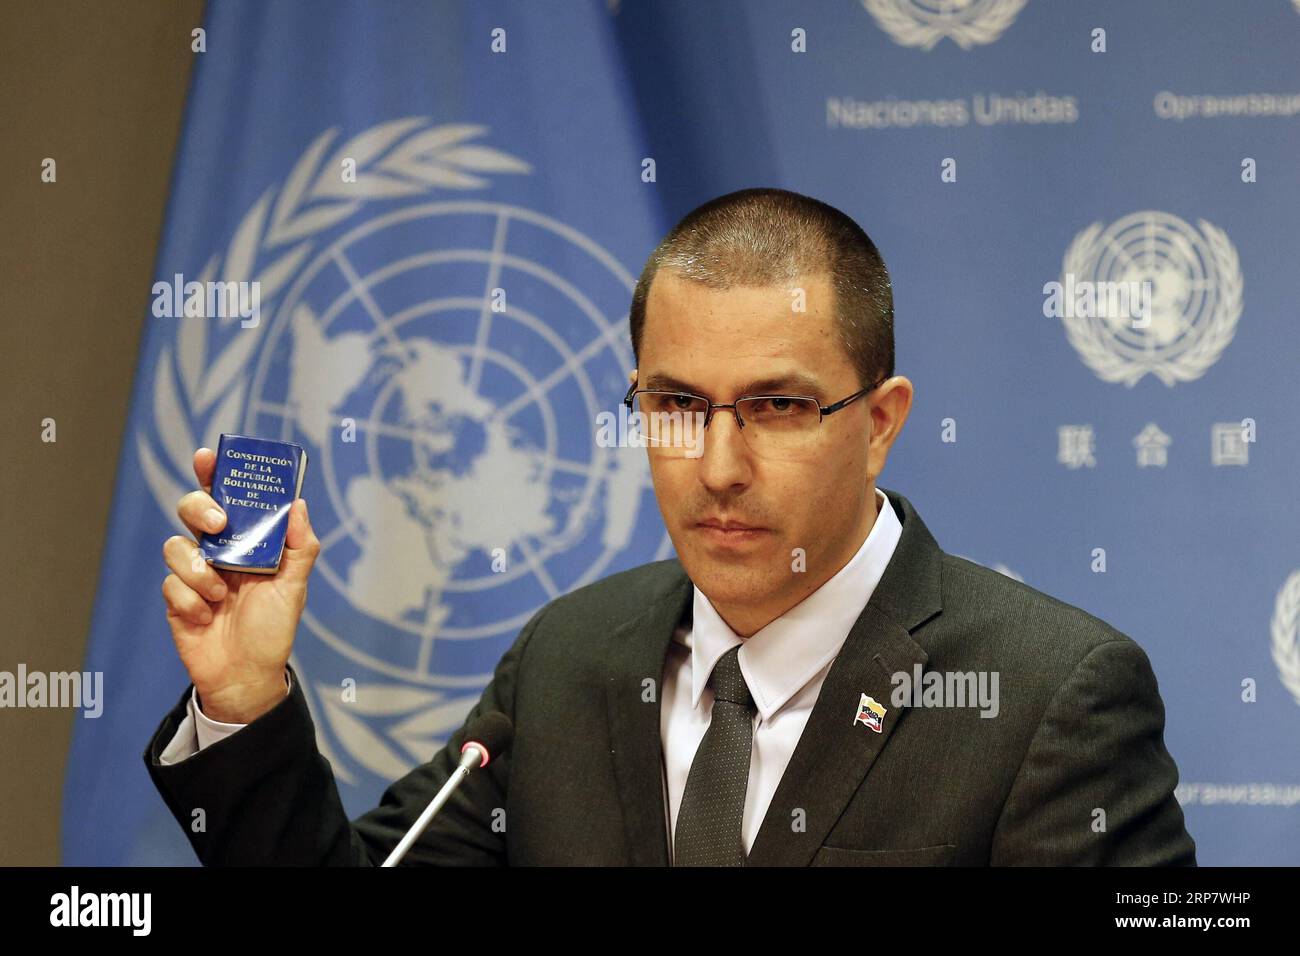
pixel 834 753
pixel 637 651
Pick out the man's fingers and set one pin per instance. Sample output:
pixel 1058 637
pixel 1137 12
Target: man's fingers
pixel 200 513
pixel 185 560
pixel 184 603
pixel 205 463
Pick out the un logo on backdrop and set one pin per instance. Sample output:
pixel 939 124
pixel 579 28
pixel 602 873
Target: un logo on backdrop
pixel 444 362
pixel 1195 288
pixel 923 23
pixel 1285 633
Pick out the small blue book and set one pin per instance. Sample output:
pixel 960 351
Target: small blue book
pixel 255 483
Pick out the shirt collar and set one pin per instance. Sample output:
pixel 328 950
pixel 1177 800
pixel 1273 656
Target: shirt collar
pixel 780 659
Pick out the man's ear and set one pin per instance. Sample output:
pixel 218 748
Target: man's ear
pixel 631 376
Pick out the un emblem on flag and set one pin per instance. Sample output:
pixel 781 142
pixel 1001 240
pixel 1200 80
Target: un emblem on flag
pixel 445 363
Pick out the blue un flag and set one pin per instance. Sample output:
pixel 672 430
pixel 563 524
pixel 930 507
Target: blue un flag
pixel 442 280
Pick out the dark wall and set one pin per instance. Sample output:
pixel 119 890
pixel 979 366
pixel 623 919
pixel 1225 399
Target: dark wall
pixel 98 87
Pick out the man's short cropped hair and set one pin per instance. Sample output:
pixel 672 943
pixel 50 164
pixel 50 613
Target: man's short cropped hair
pixel 767 237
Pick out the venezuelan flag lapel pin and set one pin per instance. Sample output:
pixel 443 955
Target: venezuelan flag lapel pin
pixel 871 714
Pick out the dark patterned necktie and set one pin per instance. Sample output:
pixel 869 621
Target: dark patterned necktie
pixel 713 804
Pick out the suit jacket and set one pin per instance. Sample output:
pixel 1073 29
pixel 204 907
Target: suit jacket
pixel 1072 770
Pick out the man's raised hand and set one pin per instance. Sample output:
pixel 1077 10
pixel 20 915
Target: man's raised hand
pixel 234 631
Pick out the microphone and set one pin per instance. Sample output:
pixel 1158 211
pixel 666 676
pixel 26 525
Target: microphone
pixel 487 737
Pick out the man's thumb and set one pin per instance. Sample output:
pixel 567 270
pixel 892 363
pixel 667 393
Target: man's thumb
pixel 300 544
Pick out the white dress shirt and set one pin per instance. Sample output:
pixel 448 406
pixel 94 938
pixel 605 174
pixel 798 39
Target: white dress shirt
pixel 198 730
pixel 784 665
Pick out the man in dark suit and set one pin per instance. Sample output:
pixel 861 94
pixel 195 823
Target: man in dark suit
pixel 811 681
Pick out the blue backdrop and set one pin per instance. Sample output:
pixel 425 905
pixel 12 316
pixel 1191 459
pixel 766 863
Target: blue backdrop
pixel 446 205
